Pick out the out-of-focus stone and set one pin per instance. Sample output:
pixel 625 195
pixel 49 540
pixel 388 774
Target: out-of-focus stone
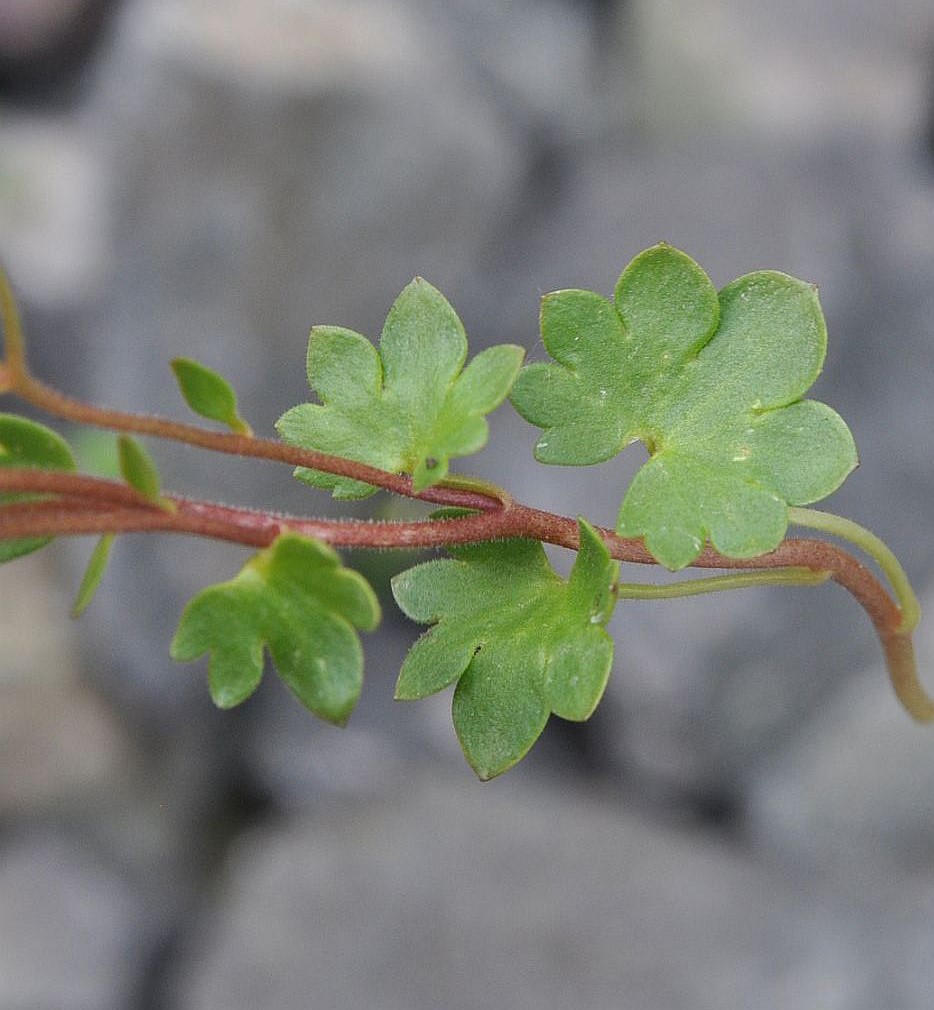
pixel 70 927
pixel 29 26
pixel 61 747
pixel 856 786
pixel 798 70
pixel 536 59
pixel 280 165
pixel 460 895
pixel 53 212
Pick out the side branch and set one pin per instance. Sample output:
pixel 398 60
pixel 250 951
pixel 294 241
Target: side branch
pixel 50 400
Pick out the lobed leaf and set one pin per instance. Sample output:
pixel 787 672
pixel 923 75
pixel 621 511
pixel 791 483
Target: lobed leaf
pixel 521 642
pixel 408 407
pixel 25 443
pixel 712 384
pixel 296 599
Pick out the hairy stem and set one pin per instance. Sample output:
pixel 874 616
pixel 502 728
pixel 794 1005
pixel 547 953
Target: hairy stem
pixel 60 405
pixel 91 505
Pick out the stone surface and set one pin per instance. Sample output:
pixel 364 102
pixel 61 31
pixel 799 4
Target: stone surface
pixel 798 70
pixel 70 929
pixel 857 781
pixel 52 211
pixel 447 893
pixel 62 748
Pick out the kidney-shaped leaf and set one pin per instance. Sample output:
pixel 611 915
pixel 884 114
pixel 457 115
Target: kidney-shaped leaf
pixel 712 384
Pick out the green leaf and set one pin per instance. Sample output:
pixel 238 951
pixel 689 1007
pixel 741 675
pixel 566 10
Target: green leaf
pixel 712 384
pixel 138 468
pixel 209 394
pixel 24 443
pixel 297 599
pixel 520 641
pixel 405 408
pixel 93 574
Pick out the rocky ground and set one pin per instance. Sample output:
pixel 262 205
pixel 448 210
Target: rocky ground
pixel 748 819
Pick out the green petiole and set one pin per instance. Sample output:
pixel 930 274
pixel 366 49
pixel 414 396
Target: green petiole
pixel 846 529
pixel 716 583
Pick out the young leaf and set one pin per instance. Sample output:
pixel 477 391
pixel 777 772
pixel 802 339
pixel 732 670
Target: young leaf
pixel 297 599
pixel 209 394
pixel 520 641
pixel 712 385
pixel 407 407
pixel 93 574
pixel 24 443
pixel 138 468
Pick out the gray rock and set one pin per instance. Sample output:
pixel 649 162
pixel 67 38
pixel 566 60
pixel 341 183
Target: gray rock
pixel 799 70
pixel 855 787
pixel 52 212
pixel 70 927
pixel 537 61
pixel 61 746
pixel 461 895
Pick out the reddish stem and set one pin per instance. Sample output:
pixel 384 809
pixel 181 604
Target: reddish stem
pixel 54 402
pixel 89 505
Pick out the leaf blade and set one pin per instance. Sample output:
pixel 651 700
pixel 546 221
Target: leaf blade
pixel 138 468
pixel 711 383
pixel 25 443
pixel 295 598
pixel 408 407
pixel 208 394
pixel 520 641
pixel 93 574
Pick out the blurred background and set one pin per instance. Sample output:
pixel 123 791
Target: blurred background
pixel 748 819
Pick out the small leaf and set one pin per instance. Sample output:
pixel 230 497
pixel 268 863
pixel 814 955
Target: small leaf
pixel 93 574
pixel 209 394
pixel 712 384
pixel 138 468
pixel 25 443
pixel 405 408
pixel 297 599
pixel 520 642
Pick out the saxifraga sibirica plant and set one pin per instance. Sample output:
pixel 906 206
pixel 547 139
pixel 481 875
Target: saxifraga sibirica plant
pixel 712 383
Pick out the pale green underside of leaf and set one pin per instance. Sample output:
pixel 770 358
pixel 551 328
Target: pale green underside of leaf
pixel 25 443
pixel 296 599
pixel 93 574
pixel 208 393
pixel 410 406
pixel 138 468
pixel 521 642
pixel 711 383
